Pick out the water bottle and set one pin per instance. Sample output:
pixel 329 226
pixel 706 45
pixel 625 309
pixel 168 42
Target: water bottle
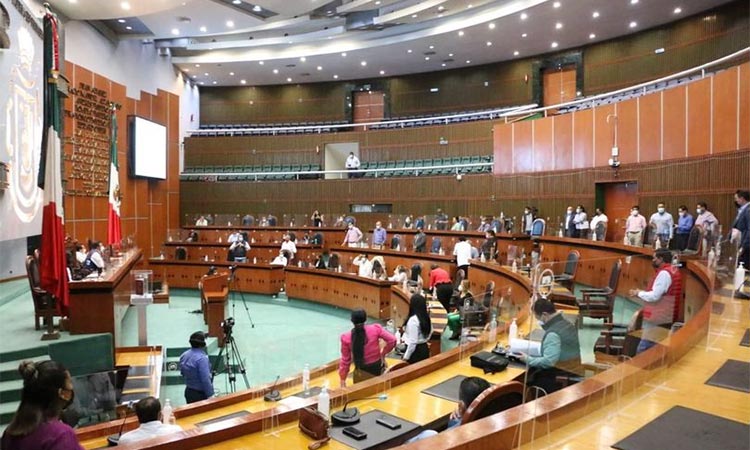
pixel 390 326
pixel 398 337
pixel 324 401
pixel 711 258
pixel 739 276
pixel 514 267
pixel 306 378
pixel 255 260
pixel 493 329
pixel 513 331
pixel 167 413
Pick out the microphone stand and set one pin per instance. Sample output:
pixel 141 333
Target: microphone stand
pixel 273 394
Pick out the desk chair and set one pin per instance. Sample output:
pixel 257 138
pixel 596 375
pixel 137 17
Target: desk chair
pixel 601 231
pixel 538 226
pixel 45 304
pixel 398 366
pixel 569 273
pixel 495 399
pixel 694 241
pixel 599 303
pixel 618 340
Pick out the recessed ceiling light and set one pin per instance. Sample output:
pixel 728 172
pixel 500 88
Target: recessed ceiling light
pixel 413 16
pixel 524 16
pixel 556 5
pixel 288 80
pixel 205 73
pixel 230 23
pixel 554 45
pixel 633 2
pixel 426 58
pixel 194 76
pixel 461 33
pixel 491 26
pixel 203 29
pixel 261 62
pixel 231 74
pixel 335 77
pixel 175 31
pixel 363 63
pixel 303 59
pixel 659 50
pixel 524 35
pixel 592 36
pixel 257 8
pixel 468 61
pixel 243 81
pixel 382 72
pixel 72 1
pixel 677 10
pixel 408 51
pixel 377 2
pixel 121 20
pixel 450 55
pixel 440 8
pixel 558 26
pixel 633 24
pixel 489 43
pixel 197 65
pixel 128 27
pixel 200 82
pixel 343 54
pixel 237 2
pixel 214 82
pixel 319 67
pixel 431 47
pixel 125 6
pixel 443 64
pixel 516 53
pixel 469 6
pixel 275 70
pixel 595 14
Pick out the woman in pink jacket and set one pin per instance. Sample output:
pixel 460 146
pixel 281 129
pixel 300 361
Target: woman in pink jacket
pixel 362 345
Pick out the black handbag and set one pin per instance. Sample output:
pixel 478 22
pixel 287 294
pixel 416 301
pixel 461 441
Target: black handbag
pixel 489 362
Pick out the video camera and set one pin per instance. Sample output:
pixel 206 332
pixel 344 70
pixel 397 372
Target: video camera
pixel 227 325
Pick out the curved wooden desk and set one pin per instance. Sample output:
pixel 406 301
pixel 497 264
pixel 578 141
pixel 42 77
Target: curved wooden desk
pixel 253 278
pixel 263 252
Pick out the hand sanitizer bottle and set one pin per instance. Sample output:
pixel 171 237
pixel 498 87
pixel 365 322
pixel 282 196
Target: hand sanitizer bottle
pixel 324 401
pixel 167 413
pixel 513 331
pixel 306 378
pixel 493 329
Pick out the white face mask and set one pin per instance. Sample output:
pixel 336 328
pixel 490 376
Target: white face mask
pixel 633 213
pixel 540 322
pixel 699 211
pixel 661 210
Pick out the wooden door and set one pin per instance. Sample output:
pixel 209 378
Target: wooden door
pixel 559 85
pixel 369 106
pixel 618 198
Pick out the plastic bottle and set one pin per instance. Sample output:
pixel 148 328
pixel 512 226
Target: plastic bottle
pixel 255 260
pixel 324 401
pixel 398 336
pixel 306 378
pixel 514 267
pixel 493 329
pixel 167 413
pixel 513 331
pixel 711 258
pixel 739 276
pixel 390 326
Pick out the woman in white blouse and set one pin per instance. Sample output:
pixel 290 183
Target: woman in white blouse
pixel 417 330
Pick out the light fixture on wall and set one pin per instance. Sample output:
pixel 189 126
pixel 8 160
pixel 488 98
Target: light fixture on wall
pixel 614 161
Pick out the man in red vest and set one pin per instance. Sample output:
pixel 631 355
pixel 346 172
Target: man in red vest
pixel 662 299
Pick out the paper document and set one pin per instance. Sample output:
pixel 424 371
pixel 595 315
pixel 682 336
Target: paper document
pixel 531 348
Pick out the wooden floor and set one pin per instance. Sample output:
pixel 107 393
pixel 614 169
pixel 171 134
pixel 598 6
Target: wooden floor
pixel 681 384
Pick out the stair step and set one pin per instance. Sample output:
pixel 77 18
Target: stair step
pixel 9 369
pixel 10 391
pixel 7 410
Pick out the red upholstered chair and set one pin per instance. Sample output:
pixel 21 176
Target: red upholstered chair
pixel 493 400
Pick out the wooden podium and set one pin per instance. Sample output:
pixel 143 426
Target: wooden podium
pixel 214 292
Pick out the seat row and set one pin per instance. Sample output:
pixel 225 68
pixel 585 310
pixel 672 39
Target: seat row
pixel 436 166
pixel 245 173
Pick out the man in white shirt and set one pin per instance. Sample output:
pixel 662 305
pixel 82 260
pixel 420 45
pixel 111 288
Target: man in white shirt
pixel 148 411
pixel 280 260
pixel 201 222
pixel 289 246
pixel 352 164
pixel 234 237
pixel 462 252
pixel 599 217
pixel 364 265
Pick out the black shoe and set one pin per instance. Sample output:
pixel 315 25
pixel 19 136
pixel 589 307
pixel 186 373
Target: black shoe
pixel 741 295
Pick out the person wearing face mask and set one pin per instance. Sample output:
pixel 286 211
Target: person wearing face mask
pixel 352 236
pixel 379 236
pixel 683 228
pixel 663 223
pixel 634 227
pixel 47 391
pixel 741 227
pixel 569 224
pixel 484 224
pixel 528 219
pixel 94 260
pixel 710 224
pixel 599 217
pixel 560 349
pixel 581 221
pixel 662 299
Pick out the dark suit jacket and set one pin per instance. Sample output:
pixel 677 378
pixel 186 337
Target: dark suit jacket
pixel 742 223
pixel 571 228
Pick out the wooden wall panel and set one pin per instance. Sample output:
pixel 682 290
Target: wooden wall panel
pixel 583 135
pixel 699 117
pixel 523 147
pixel 674 122
pixel 743 135
pixel 649 110
pixel 544 157
pixel 563 137
pixel 503 149
pixel 603 134
pixel 724 110
pixel 627 131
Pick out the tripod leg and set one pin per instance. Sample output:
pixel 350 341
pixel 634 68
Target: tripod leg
pixel 247 310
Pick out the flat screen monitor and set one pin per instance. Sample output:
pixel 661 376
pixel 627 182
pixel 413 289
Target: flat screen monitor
pixel 148 148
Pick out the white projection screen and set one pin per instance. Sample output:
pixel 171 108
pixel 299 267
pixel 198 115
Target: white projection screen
pixel 148 148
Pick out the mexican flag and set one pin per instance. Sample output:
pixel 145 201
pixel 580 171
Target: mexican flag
pixel 52 264
pixel 114 235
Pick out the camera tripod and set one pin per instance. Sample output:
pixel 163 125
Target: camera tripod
pixel 233 291
pixel 232 359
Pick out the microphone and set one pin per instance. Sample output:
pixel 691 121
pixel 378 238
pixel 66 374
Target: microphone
pixel 273 395
pixel 351 416
pixel 114 439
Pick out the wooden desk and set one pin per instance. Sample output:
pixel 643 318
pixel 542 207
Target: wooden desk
pixel 254 278
pixel 263 253
pixel 394 258
pixel 99 305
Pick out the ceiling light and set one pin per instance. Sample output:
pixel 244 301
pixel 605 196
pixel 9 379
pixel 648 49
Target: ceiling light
pixel 434 89
pixel 214 82
pixel 491 26
pixel 595 14
pixel 443 64
pixel 489 44
pixel 516 53
pixel 257 8
pixel 524 35
pixel 633 2
pixel 524 16
pixel 231 74
pixel 205 73
pixel 558 26
pixel 440 8
pixel 197 65
pixel 303 59
pixel 554 45
pixel 363 63
pixel 203 29
pixel 408 51
pixel 237 2
pixel 319 67
pixel 335 77
pixel 469 6
pixel 125 6
pixel 659 50
pixel 377 2
pixel 343 54
pixel 121 20
pixel 175 31
pixel 230 23
pixel 200 82
pixel 128 27
pixel 72 1
pixel 194 76
pixel 461 33
pixel 677 10
pixel 288 80
pixel 431 47
pixel 276 71
pixel 556 5
pixel 243 81
pixel 413 16
pixel 382 72
pixel 450 55
pixel 468 61
pixel 633 24
pixel 426 58
pixel 261 62
pixel 592 36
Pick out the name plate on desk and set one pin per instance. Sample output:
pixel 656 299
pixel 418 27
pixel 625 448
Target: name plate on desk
pixel 145 299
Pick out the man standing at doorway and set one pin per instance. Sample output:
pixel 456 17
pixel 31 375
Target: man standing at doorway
pixel 634 227
pixel 352 165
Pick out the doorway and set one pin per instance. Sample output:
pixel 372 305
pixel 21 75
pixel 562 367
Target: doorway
pixel 559 84
pixel 369 106
pixel 334 158
pixel 616 199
